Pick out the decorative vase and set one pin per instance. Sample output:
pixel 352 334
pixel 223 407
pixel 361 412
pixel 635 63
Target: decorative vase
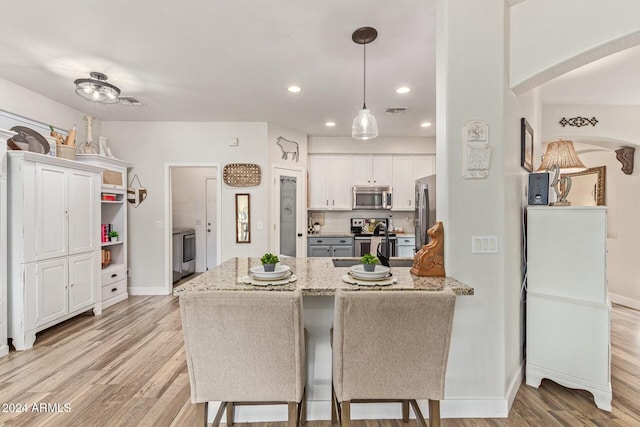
pixel 269 267
pixel 369 267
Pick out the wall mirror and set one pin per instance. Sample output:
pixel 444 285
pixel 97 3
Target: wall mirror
pixel 587 187
pixel 243 216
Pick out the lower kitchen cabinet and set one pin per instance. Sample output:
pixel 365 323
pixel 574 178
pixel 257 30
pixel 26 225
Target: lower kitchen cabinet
pixel 330 247
pixel 405 247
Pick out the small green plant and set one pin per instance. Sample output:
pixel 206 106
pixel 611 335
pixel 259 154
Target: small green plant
pixel 269 259
pixel 369 259
pixel 113 234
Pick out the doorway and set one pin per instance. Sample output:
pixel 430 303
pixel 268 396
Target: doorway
pixel 191 203
pixel 289 237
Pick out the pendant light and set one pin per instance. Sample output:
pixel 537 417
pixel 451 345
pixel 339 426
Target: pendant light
pixel 365 125
pixel 97 89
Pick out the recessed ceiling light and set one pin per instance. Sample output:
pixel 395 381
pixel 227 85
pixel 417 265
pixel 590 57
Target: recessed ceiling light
pixel 330 124
pixel 403 89
pixel 425 124
pixel 294 89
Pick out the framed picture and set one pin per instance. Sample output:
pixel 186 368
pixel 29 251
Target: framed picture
pixel 526 145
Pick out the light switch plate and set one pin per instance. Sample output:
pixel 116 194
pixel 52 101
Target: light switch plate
pixel 484 244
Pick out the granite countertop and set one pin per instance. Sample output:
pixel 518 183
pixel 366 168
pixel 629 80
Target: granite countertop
pixel 315 276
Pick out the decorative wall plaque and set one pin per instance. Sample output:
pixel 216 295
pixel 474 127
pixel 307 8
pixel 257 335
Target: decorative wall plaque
pixel 477 151
pixel 625 156
pixel 241 174
pixel 578 121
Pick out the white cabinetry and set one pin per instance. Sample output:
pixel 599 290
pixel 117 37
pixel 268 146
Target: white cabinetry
pixel 113 278
pixel 329 182
pixel 406 169
pixel 371 170
pixel 4 347
pixel 53 243
pixel 568 307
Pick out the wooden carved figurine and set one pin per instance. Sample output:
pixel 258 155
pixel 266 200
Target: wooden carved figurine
pixel 429 261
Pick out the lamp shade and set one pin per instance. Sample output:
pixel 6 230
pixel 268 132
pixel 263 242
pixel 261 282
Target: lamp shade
pixel 364 126
pixel 563 154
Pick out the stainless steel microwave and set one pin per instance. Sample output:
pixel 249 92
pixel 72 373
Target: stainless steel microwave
pixel 372 197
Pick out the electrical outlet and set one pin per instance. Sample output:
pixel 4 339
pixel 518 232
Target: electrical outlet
pixel 259 225
pixel 233 142
pixel 159 224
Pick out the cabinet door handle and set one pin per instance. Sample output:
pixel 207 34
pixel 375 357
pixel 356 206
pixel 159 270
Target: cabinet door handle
pixel 114 289
pixel 343 241
pixel 409 202
pixel 333 202
pixel 114 275
pixel 319 241
pixel 327 202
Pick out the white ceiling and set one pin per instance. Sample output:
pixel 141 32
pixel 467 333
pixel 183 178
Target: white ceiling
pixel 230 60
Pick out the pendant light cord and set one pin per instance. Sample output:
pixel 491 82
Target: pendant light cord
pixel 364 77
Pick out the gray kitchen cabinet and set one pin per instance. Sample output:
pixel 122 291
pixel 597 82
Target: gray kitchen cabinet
pixel 405 246
pixel 330 246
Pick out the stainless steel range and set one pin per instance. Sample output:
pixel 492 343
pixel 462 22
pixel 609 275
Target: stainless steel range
pixel 363 228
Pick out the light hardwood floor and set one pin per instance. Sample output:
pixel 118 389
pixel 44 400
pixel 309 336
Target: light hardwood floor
pixel 127 368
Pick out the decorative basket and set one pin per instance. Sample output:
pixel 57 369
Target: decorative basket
pixel 66 152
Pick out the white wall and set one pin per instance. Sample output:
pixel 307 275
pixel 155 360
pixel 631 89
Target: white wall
pixel 189 205
pixel 550 37
pixel 23 102
pixel 151 145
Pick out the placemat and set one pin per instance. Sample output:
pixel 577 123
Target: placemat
pixel 248 280
pixel 382 282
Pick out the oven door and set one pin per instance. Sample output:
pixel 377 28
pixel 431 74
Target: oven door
pixel 362 245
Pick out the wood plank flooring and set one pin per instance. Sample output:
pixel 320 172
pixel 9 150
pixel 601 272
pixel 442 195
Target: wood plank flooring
pixel 127 368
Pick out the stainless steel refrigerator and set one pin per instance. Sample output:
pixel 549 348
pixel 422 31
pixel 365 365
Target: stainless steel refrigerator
pixel 425 213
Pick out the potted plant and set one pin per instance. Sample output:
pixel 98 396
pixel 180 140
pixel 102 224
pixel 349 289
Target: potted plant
pixel 369 262
pixel 113 236
pixel 269 262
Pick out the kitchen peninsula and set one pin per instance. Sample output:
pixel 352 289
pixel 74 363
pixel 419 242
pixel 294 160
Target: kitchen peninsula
pixel 318 278
pixel 315 276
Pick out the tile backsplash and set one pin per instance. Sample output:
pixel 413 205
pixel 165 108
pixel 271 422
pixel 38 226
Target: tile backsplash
pixel 340 221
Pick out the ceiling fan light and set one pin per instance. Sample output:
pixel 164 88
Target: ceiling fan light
pixel 97 89
pixel 364 126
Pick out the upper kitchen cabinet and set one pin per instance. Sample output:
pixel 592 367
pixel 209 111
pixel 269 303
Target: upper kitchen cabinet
pixel 329 182
pixel 372 170
pixel 406 169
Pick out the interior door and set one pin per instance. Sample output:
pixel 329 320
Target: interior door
pixel 289 236
pixel 211 186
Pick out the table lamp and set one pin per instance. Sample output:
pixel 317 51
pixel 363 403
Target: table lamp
pixel 561 156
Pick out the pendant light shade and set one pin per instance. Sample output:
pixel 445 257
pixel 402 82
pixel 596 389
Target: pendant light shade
pixel 365 125
pixel 97 89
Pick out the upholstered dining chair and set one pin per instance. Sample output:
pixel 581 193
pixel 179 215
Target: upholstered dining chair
pixel 391 346
pixel 245 347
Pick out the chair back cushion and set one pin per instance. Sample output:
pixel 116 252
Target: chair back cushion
pixel 391 344
pixel 244 345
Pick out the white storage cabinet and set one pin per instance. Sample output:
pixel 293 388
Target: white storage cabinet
pixel 330 182
pixel 4 347
pixel 54 243
pixel 568 307
pixel 113 278
pixel 371 170
pixel 405 246
pixel 406 169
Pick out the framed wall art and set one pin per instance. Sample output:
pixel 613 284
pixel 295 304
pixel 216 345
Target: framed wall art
pixel 526 145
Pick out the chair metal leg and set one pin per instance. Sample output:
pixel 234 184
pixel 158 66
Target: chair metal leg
pixel 419 417
pixel 230 413
pixel 434 413
pixel 202 410
pixel 405 411
pixel 345 413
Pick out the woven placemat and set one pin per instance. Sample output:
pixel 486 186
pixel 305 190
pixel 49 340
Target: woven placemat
pixel 248 280
pixel 382 282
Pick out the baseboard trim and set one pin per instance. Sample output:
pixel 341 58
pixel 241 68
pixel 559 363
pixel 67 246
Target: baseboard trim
pixel 514 385
pixel 144 290
pixel 627 302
